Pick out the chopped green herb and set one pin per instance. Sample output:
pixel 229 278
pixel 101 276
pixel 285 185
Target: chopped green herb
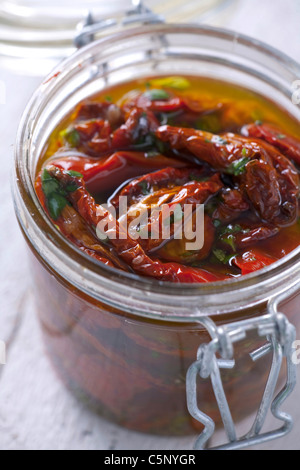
pixel 217 223
pixel 198 179
pixel 49 184
pixel 244 152
pixel 160 146
pixel 178 83
pixel 144 186
pixel 71 188
pixel 56 204
pixel 187 254
pixel 71 136
pixel 157 95
pixel 222 256
pixel 75 174
pixel 152 154
pixel 55 195
pixel 178 214
pixel 238 167
pixel 175 217
pixel 281 136
pixel 231 229
pixel 259 123
pixel 219 140
pixel 230 240
pixel 108 98
pixel 209 123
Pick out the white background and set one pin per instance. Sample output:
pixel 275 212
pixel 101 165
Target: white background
pixel 35 410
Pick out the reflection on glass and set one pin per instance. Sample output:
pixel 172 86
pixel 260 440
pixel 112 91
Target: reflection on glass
pixel 43 31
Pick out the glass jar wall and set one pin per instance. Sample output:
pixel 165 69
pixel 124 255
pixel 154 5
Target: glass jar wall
pixel 122 342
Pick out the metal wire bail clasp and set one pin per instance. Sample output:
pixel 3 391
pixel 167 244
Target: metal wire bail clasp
pixel 139 13
pixel 281 335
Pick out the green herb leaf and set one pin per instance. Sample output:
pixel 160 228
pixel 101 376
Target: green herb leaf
pixel 49 184
pixel 230 240
pixel 281 136
pixel 209 123
pixel 178 214
pixel 178 83
pixel 160 146
pixel 55 195
pixel 222 256
pixel 76 174
pixel 71 188
pixel 144 186
pixel 56 203
pixel 157 95
pixel 71 136
pixel 238 167
pixel 230 229
pixel 152 154
pixel 217 223
pixel 218 140
pixel 175 217
pixel 198 179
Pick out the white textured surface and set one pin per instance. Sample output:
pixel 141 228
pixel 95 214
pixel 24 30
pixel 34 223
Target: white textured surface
pixel 35 410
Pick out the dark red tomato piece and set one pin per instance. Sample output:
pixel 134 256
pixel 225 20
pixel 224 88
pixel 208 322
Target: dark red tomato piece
pixel 288 145
pixel 252 261
pixel 109 173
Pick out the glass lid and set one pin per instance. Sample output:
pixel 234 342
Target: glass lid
pixel 36 34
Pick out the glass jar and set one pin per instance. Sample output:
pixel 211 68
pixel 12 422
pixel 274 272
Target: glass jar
pixel 123 343
pixel 35 35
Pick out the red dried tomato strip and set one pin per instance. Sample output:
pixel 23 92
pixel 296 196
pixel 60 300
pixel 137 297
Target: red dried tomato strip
pixel 167 177
pixel 74 228
pixel 256 164
pixel 172 189
pixel 109 173
pixel 252 261
pixel 128 249
pixel 140 123
pixel 144 102
pixel 106 111
pixel 233 204
pixel 97 137
pixel 246 238
pixel 288 145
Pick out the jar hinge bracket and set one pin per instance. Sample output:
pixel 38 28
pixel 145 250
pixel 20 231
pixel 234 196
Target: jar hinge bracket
pixel 139 13
pixel 281 335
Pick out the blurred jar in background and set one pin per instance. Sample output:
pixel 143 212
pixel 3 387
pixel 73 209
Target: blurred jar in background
pixel 36 34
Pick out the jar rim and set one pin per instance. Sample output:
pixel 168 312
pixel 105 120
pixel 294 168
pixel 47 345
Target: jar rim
pixel 262 281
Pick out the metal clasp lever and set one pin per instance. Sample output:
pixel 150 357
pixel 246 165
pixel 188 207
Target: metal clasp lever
pixel 281 335
pixel 139 13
